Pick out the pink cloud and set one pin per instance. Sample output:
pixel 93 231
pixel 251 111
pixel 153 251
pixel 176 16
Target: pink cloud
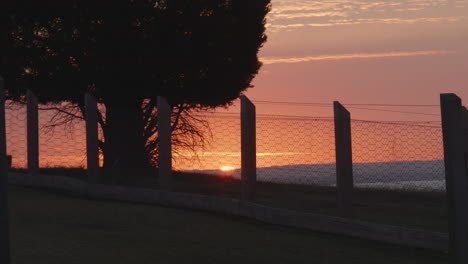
pixel 274 60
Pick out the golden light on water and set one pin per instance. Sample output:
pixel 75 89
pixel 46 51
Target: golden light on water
pixel 227 168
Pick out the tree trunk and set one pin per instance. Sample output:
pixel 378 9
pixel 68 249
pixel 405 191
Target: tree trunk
pixel 124 151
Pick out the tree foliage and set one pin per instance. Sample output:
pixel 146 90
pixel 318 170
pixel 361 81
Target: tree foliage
pixel 190 51
pixel 196 53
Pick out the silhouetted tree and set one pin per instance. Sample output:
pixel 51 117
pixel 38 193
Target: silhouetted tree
pixel 196 53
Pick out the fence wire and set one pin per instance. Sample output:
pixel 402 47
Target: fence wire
pixel 62 139
pixel 15 120
pixel 301 150
pixel 296 150
pixel 290 149
pixel 295 161
pixel 398 167
pixel 219 154
pixel 214 166
pixel 398 155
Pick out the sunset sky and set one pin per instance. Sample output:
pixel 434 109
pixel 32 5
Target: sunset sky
pixel 362 51
pixel 355 51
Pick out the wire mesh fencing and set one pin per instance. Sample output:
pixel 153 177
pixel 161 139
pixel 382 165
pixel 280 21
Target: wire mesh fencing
pixel 295 150
pixel 398 172
pixel 290 150
pixel 301 150
pixel 406 156
pixel 213 166
pixel 218 154
pixel 15 120
pixel 62 137
pixel 397 167
pixel 295 159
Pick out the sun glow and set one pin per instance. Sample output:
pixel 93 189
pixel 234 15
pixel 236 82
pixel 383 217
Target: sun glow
pixel 227 168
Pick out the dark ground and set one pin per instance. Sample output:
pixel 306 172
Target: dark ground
pixel 414 209
pixel 49 228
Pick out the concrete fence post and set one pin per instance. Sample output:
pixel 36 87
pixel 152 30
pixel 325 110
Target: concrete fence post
pixel 92 139
pixel 465 136
pixel 164 143
pixel 344 157
pixel 4 219
pixel 248 149
pixel 32 128
pixel 456 174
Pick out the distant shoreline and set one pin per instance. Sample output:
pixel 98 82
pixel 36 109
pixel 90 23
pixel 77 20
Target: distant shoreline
pixel 398 175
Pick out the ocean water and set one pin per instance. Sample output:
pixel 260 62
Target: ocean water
pixel 401 175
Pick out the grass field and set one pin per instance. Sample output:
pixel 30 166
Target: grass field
pixel 48 228
pixel 414 209
pixel 422 210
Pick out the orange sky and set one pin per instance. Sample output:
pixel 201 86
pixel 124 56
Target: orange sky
pixel 357 52
pixel 354 51
pixel 392 52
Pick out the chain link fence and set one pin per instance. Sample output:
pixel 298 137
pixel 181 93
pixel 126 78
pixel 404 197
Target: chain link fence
pixel 218 154
pixel 301 150
pixel 398 155
pixel 212 166
pixel 62 137
pixel 398 167
pixel 395 164
pixel 290 149
pixel 15 120
pixel 295 150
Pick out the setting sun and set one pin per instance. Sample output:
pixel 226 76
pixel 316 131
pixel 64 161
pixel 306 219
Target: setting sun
pixel 227 168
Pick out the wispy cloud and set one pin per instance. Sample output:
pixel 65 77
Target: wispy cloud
pixel 291 14
pixel 275 60
pixel 359 21
pixel 310 14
